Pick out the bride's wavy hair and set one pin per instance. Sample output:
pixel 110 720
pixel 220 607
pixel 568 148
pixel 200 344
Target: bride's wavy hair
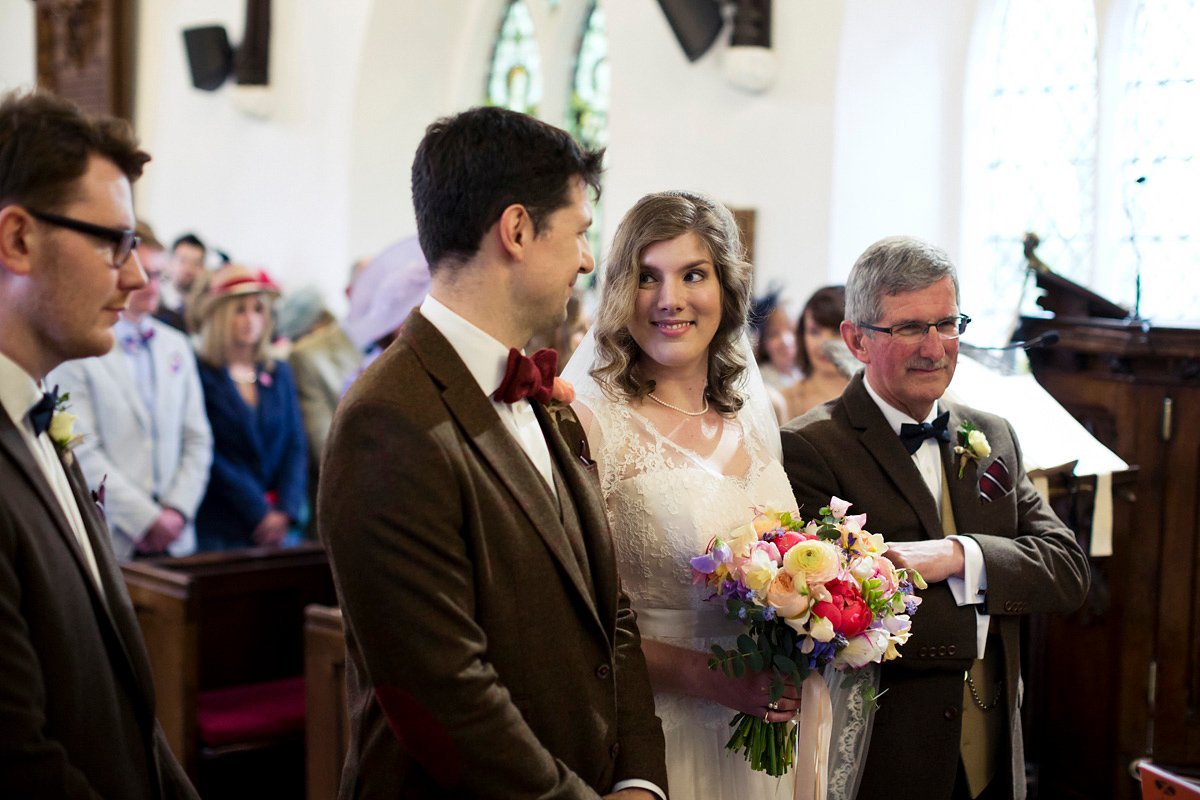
pixel 657 218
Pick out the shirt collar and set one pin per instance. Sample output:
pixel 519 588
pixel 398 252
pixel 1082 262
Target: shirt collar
pixel 18 390
pixel 485 356
pixel 894 416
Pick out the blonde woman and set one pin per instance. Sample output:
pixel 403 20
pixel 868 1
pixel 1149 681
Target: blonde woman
pixel 259 473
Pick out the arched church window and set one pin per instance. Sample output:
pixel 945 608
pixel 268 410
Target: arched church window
pixel 515 78
pixel 1156 210
pixel 587 111
pixel 1030 160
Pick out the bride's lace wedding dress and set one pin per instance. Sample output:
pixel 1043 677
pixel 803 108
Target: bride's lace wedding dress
pixel 665 502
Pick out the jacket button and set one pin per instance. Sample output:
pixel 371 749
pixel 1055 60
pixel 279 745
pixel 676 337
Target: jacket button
pixel 616 750
pixel 1010 606
pixel 942 650
pixel 951 713
pixel 950 650
pixel 923 652
pixel 602 671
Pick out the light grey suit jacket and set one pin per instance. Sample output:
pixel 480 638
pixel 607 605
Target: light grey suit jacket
pixel 129 446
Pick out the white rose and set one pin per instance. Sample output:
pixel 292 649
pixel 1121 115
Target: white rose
pixel 61 425
pixel 978 444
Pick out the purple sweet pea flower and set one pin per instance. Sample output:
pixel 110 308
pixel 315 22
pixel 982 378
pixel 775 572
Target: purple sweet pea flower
pixel 704 564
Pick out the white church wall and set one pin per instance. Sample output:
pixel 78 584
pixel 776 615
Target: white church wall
pixel 858 136
pixel 17 46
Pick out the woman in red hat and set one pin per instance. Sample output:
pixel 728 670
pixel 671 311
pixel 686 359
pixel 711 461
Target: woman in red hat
pixel 259 472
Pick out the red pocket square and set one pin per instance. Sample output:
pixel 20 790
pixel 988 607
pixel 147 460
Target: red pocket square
pixel 995 482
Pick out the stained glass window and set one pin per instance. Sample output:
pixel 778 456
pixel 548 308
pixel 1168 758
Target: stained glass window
pixel 1158 182
pixel 515 79
pixel 1032 156
pixel 587 111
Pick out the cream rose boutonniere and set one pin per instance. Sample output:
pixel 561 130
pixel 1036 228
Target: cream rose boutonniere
pixel 972 445
pixel 62 428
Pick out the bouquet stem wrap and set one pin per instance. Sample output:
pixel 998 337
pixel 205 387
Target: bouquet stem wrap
pixel 815 727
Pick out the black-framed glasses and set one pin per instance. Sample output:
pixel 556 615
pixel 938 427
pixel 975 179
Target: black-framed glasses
pixel 124 241
pixel 949 328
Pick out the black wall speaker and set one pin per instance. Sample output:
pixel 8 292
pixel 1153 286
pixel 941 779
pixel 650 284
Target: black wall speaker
pixel 696 24
pixel 210 56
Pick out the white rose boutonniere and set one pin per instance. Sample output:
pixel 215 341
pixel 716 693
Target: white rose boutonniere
pixel 62 427
pixel 972 445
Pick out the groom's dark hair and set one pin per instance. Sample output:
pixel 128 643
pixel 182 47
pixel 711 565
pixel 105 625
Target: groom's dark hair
pixel 472 166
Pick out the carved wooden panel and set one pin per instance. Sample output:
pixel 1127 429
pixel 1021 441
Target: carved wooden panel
pixel 85 53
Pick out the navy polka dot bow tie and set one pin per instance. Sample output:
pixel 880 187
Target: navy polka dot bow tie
pixel 528 376
pixel 912 436
pixel 43 411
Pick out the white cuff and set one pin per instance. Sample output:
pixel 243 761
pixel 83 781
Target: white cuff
pixel 971 588
pixel 638 783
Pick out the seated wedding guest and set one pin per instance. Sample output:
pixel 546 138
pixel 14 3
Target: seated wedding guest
pixel 184 267
pixel 824 376
pixel 322 357
pixel 257 487
pixel 775 348
pixel 140 410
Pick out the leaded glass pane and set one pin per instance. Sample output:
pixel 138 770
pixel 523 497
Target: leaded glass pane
pixel 1034 157
pixel 515 80
pixel 587 112
pixel 1160 168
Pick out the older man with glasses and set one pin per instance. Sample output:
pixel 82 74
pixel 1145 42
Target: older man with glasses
pixel 945 485
pixel 76 697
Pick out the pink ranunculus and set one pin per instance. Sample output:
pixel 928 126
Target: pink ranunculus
pixel 846 610
pixel 887 575
pixel 770 549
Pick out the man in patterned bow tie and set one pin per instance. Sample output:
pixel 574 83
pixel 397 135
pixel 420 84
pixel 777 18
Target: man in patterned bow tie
pixel 491 651
pixel 988 545
pixel 76 698
pixel 140 410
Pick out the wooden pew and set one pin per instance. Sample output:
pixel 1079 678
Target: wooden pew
pixel 326 724
pixel 218 620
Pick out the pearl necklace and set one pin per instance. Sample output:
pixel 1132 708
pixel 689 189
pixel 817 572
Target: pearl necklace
pixel 699 413
pixel 244 378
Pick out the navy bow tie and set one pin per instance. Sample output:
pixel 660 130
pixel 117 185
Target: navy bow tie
pixel 912 436
pixel 43 411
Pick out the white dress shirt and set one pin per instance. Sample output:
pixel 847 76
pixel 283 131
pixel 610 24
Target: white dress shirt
pixel 18 394
pixel 971 588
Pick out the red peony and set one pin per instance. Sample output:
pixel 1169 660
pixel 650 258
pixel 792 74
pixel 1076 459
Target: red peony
pixel 846 611
pixel 786 541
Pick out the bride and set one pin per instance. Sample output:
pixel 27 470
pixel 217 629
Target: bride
pixel 688 448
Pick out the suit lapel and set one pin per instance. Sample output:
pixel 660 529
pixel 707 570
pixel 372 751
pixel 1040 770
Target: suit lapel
pixel 885 447
pixel 12 442
pixel 964 491
pixel 482 426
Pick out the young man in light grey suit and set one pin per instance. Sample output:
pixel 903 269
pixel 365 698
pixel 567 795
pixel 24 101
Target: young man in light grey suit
pixel 140 410
pixel 76 697
pixel 491 652
pixel 991 550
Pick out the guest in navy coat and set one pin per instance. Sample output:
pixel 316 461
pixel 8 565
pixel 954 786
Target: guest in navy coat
pixel 259 472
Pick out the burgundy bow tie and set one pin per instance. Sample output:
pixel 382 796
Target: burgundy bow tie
pixel 531 376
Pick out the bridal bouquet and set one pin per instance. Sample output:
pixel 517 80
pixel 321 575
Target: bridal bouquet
pixel 811 594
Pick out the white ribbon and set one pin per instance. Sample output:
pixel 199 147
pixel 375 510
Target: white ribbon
pixel 814 730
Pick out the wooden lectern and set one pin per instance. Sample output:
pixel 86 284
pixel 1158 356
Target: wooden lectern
pixel 1120 679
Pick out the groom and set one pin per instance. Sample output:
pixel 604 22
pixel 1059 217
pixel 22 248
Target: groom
pixel 989 547
pixel 76 700
pixel 491 651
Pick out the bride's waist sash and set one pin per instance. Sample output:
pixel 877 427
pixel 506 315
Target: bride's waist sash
pixel 686 623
